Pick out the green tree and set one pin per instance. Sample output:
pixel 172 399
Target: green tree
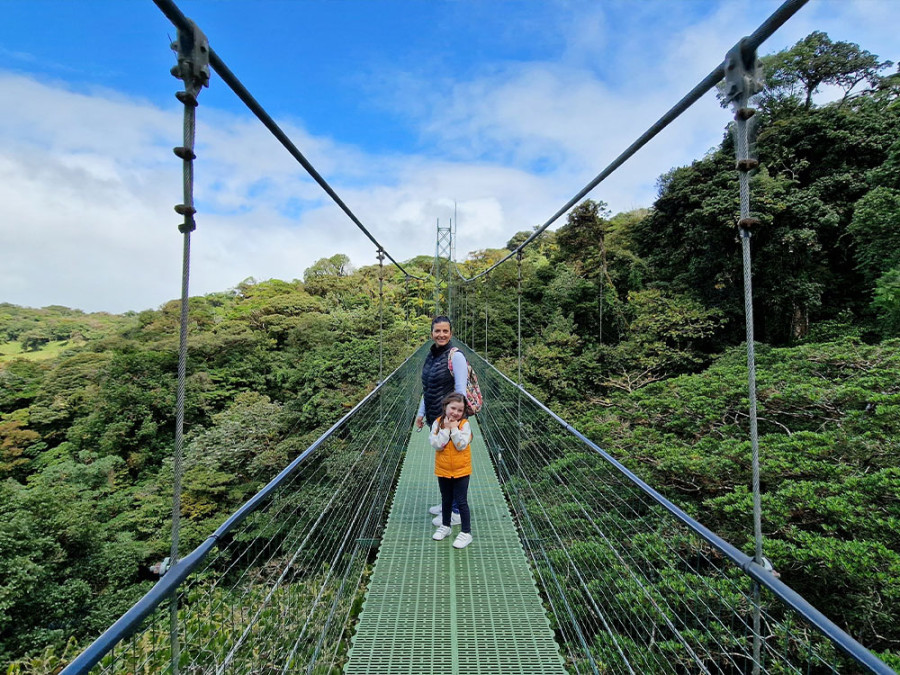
pixel 337 265
pixel 876 232
pixel 798 72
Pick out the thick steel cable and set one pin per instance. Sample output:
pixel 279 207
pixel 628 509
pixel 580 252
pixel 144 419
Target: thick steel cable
pixel 752 42
pixel 744 177
pixel 173 14
pixel 744 165
pixel 190 68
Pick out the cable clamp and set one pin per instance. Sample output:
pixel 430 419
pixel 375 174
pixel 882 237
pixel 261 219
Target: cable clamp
pixel 187 98
pixel 743 73
pixel 747 164
pixel 192 49
pixel 188 225
pixel 749 223
pixel 185 153
pixel 744 113
pixel 160 568
pixel 183 210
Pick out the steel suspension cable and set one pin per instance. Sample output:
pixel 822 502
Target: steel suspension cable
pixel 750 43
pixel 193 69
pixel 408 327
pixel 744 80
pixel 519 314
pixel 171 11
pixel 380 256
pixel 486 279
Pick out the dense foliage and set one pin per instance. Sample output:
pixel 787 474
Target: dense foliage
pixel 632 326
pixel 86 438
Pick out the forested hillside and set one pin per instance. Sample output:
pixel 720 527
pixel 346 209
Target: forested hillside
pixel 632 329
pixel 87 436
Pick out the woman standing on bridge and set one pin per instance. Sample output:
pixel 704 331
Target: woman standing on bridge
pixel 438 380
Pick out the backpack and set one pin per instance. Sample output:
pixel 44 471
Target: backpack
pixel 474 400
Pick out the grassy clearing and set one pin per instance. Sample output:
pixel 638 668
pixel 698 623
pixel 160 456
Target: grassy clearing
pixel 13 350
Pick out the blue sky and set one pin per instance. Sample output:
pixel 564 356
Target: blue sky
pixel 505 107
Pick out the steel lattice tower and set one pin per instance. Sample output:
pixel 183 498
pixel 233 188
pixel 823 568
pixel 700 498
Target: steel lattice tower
pixel 440 269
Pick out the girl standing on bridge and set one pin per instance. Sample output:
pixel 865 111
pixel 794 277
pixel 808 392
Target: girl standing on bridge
pixel 451 437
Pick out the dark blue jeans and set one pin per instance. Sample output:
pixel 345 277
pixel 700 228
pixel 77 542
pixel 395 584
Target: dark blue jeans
pixel 455 492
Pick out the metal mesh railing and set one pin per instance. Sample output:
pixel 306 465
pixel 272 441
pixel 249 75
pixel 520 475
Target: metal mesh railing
pixel 634 585
pixel 278 586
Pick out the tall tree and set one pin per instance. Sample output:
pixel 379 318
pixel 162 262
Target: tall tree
pixel 798 72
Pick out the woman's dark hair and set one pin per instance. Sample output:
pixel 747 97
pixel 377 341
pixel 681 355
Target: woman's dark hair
pixel 441 319
pixel 452 397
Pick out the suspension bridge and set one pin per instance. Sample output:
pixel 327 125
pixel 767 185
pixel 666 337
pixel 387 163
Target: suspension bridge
pixel 577 565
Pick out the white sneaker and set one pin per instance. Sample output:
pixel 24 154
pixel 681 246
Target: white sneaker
pixel 463 539
pixel 441 533
pixel 436 510
pixel 455 519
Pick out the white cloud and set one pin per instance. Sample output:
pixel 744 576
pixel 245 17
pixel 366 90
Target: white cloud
pixel 88 178
pixel 88 191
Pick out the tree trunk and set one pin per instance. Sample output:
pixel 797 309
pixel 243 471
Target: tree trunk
pixel 799 323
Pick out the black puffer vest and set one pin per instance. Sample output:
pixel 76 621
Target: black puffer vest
pixel 437 380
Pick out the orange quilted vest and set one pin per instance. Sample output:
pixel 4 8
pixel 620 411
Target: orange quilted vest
pixel 451 462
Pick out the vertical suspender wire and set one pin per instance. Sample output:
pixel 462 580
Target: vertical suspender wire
pixel 474 317
pixel 742 64
pixel 193 68
pixel 449 290
pixel 465 326
pixel 179 421
pixel 751 353
pixel 744 177
pixel 485 319
pixel 406 297
pixel 472 320
pixel 380 256
pixel 519 326
pixel 519 334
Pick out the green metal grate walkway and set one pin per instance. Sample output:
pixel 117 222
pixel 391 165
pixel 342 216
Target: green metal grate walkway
pixel 431 608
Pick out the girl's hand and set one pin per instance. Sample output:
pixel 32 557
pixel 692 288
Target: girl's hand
pixel 453 425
